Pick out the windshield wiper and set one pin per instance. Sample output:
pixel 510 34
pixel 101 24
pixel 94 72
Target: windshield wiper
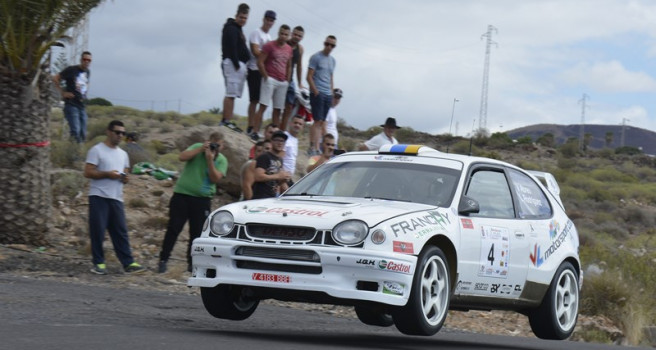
pixel 389 199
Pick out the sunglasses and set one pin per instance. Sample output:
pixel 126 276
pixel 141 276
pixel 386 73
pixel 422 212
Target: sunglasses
pixel 86 60
pixel 118 132
pixel 329 44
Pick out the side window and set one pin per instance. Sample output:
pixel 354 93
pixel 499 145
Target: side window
pixel 533 203
pixel 490 189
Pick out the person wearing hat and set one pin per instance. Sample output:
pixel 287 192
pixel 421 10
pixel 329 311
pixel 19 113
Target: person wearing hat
pixel 384 138
pixel 256 40
pixel 270 178
pixel 331 118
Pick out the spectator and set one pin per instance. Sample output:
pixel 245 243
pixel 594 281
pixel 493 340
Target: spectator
pixel 328 146
pixel 291 146
pixel 192 195
pixel 234 55
pixel 76 81
pixel 270 178
pixel 107 166
pixel 320 79
pixel 331 117
pixel 247 171
pixel 268 132
pixel 297 62
pixel 384 138
pixel 275 66
pixel 257 39
pixel 136 153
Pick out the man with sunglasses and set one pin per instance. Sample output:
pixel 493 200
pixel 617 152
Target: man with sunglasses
pixel 107 166
pixel 74 93
pixel 320 79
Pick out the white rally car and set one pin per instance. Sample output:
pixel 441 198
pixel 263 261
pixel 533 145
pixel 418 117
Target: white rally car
pixel 403 235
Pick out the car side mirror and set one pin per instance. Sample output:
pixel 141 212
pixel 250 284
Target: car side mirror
pixel 468 205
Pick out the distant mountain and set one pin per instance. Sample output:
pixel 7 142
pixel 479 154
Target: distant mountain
pixel 633 136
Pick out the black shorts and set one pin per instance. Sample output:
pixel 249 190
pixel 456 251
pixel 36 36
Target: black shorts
pixel 254 79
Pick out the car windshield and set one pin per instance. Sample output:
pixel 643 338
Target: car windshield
pixel 417 183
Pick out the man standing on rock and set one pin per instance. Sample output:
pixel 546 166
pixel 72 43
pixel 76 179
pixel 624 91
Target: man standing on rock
pixel 76 81
pixel 107 166
pixel 192 195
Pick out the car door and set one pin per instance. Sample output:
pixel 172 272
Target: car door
pixel 493 260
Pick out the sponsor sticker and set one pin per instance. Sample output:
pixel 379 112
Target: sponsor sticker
pixel 394 288
pixel 394 266
pixel 293 211
pixel 467 223
pixel 420 226
pixel 403 247
pixel 269 277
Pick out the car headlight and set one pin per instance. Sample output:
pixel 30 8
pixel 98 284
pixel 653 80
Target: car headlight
pixel 222 223
pixel 350 232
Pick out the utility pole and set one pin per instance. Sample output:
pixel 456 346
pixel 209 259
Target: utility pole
pixel 482 115
pixel 582 128
pixel 624 120
pixel 453 109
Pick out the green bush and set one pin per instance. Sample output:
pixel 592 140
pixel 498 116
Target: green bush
pixel 67 184
pixel 98 101
pixel 64 154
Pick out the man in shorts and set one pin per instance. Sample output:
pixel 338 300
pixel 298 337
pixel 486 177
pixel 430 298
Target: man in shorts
pixel 297 62
pixel 234 55
pixel 256 40
pixel 320 79
pixel 275 63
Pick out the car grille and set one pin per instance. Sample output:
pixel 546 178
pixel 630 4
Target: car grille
pixel 277 253
pixel 286 233
pixel 287 260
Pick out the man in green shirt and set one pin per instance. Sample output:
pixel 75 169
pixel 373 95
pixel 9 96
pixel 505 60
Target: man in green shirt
pixel 192 196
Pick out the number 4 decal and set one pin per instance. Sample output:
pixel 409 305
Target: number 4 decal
pixel 490 255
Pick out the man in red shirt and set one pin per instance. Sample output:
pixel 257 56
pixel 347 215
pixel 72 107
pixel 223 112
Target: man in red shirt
pixel 275 65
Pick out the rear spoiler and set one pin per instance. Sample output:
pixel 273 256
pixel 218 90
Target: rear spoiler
pixel 549 181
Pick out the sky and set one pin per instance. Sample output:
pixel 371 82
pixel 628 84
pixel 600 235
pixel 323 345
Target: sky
pixel 421 62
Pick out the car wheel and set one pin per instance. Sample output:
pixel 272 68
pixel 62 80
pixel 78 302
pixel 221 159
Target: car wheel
pixel 428 304
pixel 374 316
pixel 555 318
pixel 228 302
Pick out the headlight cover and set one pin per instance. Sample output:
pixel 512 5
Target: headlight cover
pixel 222 223
pixel 351 232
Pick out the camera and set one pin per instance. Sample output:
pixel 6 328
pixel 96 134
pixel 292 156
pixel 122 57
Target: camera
pixel 214 146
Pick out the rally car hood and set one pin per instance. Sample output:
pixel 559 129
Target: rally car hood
pixel 320 212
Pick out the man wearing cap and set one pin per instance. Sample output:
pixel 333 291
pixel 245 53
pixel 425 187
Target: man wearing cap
pixel 257 39
pixel 384 138
pixel 331 117
pixel 234 57
pixel 320 79
pixel 270 179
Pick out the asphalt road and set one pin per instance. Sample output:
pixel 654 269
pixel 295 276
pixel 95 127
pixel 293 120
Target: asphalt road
pixel 47 314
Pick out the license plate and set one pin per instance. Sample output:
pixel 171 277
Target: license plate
pixel 269 277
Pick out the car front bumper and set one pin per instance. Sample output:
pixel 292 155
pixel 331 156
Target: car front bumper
pixel 340 272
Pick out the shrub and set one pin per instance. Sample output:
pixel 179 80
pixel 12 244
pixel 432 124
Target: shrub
pixel 138 203
pixel 170 161
pixel 63 154
pixel 159 146
pixel 98 101
pixel 67 184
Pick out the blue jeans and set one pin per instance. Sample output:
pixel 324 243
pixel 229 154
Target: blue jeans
pixel 108 214
pixel 320 106
pixel 77 122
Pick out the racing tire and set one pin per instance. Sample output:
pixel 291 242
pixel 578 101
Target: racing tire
pixel 374 316
pixel 556 316
pixel 228 302
pixel 427 307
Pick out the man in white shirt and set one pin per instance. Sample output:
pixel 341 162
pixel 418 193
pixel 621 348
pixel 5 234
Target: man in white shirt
pixel 291 146
pixel 384 138
pixel 256 40
pixel 331 117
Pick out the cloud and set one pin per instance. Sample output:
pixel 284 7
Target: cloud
pixel 609 76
